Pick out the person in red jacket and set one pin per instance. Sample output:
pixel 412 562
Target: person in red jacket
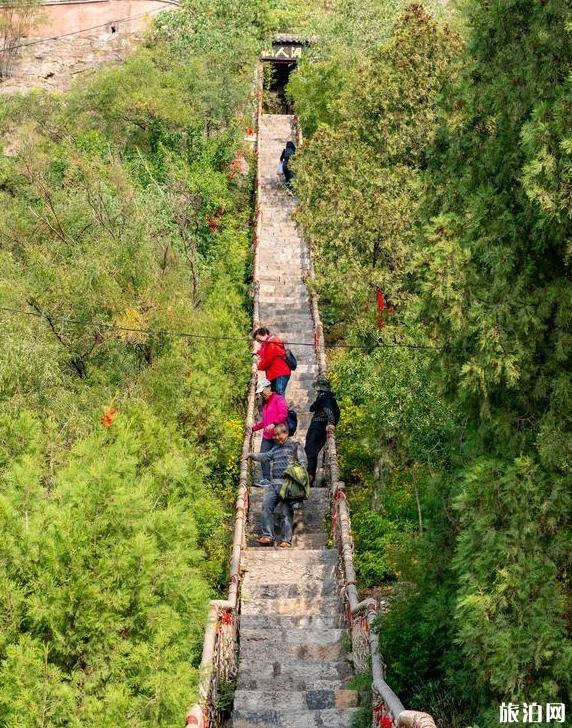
pixel 272 359
pixel 274 412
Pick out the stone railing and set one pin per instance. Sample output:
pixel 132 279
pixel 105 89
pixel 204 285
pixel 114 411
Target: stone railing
pixel 219 663
pixel 388 710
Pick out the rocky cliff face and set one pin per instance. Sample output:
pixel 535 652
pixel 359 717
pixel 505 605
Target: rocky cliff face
pixel 75 37
pixel 54 64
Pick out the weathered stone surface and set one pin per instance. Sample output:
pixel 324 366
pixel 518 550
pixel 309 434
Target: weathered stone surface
pixel 290 607
pixel 269 718
pixel 72 39
pixel 346 698
pixel 320 699
pixel 305 621
pixel 254 650
pixel 295 636
pixel 293 675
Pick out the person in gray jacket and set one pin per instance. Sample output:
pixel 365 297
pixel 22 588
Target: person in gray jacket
pixel 285 453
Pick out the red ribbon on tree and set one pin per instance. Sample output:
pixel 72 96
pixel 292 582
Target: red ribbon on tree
pixel 107 418
pixel 213 221
pixel 386 722
pixel 380 307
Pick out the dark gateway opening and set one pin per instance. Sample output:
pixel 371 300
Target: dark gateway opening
pixel 276 76
pixel 278 64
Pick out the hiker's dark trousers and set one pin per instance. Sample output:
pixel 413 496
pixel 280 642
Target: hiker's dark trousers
pixel 315 440
pixel 265 446
pixel 271 500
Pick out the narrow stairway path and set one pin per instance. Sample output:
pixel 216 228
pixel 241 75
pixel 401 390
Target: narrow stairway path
pixel 293 667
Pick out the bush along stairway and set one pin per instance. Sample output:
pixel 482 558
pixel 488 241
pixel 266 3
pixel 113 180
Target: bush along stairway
pixel 292 633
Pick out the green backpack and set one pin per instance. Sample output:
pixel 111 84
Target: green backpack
pixel 296 485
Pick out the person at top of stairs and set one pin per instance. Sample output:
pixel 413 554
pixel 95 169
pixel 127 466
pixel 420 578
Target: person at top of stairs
pixel 287 153
pixel 272 359
pixel 285 453
pixel 274 412
pixel 326 415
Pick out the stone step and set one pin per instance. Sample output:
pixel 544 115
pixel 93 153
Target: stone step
pixel 278 278
pixel 288 565
pixel 299 636
pixel 297 311
pixel 311 541
pixel 303 541
pixel 298 319
pixel 264 589
pixel 295 606
pixel 311 517
pixel 259 583
pixel 280 231
pixel 269 718
pixel 274 296
pixel 291 701
pixel 294 675
pixel 311 513
pixel 286 683
pixel 280 622
pixel 309 652
pixel 301 530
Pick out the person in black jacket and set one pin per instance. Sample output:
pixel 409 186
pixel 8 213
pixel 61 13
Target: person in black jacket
pixel 326 416
pixel 285 158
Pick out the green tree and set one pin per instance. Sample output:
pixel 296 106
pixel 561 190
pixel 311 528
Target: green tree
pixel 124 222
pixel 439 170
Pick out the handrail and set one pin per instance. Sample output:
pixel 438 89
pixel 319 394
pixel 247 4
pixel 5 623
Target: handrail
pixel 388 710
pixel 220 642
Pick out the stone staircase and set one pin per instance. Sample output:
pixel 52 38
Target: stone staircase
pixel 282 263
pixel 293 665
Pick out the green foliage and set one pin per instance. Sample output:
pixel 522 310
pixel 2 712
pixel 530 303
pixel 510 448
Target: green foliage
pixel 218 43
pixel 438 168
pixel 362 684
pixel 123 217
pixel 506 248
pixel 349 31
pixel 510 607
pixel 379 152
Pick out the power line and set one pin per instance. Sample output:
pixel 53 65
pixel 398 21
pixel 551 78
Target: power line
pixel 208 337
pixel 93 27
pixel 114 327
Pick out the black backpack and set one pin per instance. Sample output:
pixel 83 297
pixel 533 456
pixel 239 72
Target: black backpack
pixel 290 359
pixel 292 422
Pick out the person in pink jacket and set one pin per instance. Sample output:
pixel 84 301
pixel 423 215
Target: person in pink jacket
pixel 274 412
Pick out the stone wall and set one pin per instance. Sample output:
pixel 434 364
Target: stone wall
pixel 75 37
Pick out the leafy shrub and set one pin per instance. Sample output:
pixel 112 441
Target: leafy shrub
pixel 123 221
